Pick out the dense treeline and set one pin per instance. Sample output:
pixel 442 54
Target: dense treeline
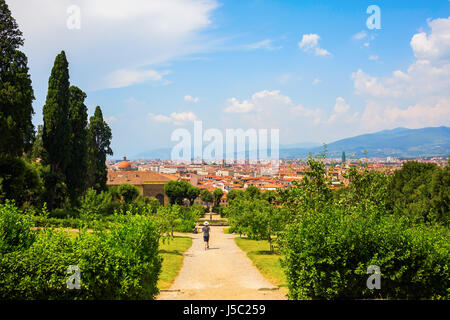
pixel 56 177
pixel 67 155
pixel 328 238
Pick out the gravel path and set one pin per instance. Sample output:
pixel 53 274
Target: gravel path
pixel 223 272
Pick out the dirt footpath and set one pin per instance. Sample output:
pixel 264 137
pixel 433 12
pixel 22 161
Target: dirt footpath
pixel 223 272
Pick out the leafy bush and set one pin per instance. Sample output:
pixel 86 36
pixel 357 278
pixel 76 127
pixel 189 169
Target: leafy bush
pixel 20 181
pixel 421 191
pixel 122 263
pixel 257 218
pixel 326 256
pixel 15 229
pixel 219 210
pixel 128 192
pixel 330 241
pixel 95 204
pixel 63 214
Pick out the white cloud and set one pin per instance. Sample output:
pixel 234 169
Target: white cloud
pixel 266 106
pixel 110 120
pixel 174 118
pixel 417 97
pixel 341 106
pixel 127 77
pixel 284 78
pixel 341 113
pixel 237 107
pixel 316 81
pixel 300 110
pixel 360 35
pixel 310 44
pixel 435 46
pixel 373 57
pixel 263 44
pixel 114 34
pixel 191 99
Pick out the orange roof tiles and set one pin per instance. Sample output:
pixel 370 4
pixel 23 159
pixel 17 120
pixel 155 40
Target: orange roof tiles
pixel 137 177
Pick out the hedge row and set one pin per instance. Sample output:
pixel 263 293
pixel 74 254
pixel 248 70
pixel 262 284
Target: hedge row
pixel 326 256
pixel 120 264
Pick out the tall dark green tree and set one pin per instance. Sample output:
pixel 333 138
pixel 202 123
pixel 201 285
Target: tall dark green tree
pixel 56 136
pixel 77 169
pixel 57 131
pixel 99 146
pixel 16 92
pixel 16 110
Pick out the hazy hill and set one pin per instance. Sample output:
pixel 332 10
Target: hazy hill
pixel 399 142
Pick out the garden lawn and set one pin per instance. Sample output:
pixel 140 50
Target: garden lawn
pixel 267 262
pixel 172 253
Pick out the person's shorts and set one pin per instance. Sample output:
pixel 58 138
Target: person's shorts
pixel 206 238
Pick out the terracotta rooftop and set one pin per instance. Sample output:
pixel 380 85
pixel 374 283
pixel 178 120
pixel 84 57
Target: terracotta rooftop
pixel 137 177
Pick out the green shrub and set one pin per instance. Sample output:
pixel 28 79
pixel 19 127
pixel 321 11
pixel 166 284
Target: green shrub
pixel 326 256
pixel 122 263
pixel 15 229
pixel 95 204
pixel 128 192
pixel 62 214
pixel 184 225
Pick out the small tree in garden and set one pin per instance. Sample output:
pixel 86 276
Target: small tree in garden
pixel 177 191
pixel 234 194
pixel 128 192
pixel 168 217
pixel 252 192
pixel 206 196
pixel 217 195
pixel 192 193
pixel 258 219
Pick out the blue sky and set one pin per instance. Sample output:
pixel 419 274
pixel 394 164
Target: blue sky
pixel 313 69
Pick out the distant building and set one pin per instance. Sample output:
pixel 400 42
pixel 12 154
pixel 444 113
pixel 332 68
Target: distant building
pixel 124 165
pixel 149 183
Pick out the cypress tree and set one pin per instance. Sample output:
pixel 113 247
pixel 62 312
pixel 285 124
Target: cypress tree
pixel 57 132
pixel 16 109
pixel 99 141
pixel 76 173
pixel 16 92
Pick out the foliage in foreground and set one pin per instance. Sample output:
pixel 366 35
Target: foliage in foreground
pixel 326 256
pixel 330 239
pixel 122 263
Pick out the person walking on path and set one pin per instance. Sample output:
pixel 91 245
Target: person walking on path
pixel 206 232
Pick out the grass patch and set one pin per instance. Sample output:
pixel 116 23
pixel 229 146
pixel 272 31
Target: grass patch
pixel 267 262
pixel 172 253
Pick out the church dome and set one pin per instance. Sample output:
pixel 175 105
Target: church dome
pixel 124 165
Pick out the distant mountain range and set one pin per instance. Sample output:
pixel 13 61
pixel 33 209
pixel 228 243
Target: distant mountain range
pixel 399 142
